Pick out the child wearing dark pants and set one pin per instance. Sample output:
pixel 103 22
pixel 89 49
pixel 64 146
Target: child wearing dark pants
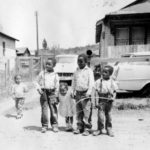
pixel 105 89
pixel 48 86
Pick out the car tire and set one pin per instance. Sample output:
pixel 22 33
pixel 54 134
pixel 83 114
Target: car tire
pixel 145 92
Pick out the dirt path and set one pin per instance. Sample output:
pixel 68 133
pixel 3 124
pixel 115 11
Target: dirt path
pixel 131 128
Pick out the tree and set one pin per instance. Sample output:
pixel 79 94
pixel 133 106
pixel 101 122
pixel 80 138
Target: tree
pixel 44 44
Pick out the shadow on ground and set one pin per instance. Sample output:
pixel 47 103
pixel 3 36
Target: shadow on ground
pixel 10 116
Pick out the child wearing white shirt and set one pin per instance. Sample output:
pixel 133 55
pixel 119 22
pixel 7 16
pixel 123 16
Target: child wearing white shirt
pixel 105 88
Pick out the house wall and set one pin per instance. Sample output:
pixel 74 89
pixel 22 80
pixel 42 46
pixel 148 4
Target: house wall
pixel 107 39
pixel 10 52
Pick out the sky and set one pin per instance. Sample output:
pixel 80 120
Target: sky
pixel 63 23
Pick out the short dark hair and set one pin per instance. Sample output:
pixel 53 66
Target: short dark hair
pixel 53 60
pixel 16 76
pixel 110 69
pixel 84 56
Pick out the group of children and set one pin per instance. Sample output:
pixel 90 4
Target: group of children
pixel 74 100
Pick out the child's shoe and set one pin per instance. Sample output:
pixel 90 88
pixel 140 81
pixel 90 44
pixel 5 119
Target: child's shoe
pixel 69 128
pixel 19 116
pixel 86 133
pixel 98 132
pixel 110 133
pixel 44 129
pixel 55 129
pixel 77 131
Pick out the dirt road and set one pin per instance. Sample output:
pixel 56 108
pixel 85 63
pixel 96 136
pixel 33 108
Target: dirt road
pixel 131 128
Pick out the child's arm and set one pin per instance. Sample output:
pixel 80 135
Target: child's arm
pixel 37 83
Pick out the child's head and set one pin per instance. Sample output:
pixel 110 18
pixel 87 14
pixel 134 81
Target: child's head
pixel 17 79
pixel 82 60
pixel 107 72
pixel 63 88
pixel 50 64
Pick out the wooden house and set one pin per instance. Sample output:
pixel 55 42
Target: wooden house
pixel 125 30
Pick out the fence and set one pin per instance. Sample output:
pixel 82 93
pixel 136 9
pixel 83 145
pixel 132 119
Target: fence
pixel 117 51
pixel 6 75
pixel 28 67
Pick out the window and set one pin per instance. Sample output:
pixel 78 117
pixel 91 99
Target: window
pixel 138 35
pixel 122 36
pixel 3 48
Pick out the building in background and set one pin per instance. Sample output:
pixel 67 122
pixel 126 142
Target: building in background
pixel 125 30
pixel 23 51
pixel 8 49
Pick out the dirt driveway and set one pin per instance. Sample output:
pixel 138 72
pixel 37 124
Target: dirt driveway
pixel 131 128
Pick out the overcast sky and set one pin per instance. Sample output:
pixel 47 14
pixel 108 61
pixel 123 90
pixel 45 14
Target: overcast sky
pixel 67 23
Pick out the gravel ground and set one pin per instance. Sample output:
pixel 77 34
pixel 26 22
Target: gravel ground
pixel 131 128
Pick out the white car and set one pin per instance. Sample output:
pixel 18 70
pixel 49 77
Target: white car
pixel 66 66
pixel 134 76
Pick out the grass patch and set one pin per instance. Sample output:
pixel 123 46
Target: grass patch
pixel 132 104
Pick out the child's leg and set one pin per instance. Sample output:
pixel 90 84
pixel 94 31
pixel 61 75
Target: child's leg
pixel 67 121
pixel 108 122
pixel 100 122
pixel 20 107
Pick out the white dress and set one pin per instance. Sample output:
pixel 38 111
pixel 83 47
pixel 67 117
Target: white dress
pixel 67 107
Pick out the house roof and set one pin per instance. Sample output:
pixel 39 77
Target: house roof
pixel 21 50
pixel 137 7
pixel 1 33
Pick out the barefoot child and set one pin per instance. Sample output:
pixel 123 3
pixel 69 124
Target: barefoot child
pixel 18 94
pixel 105 88
pixel 66 105
pixel 48 86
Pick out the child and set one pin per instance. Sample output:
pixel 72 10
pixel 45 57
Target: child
pixel 106 90
pixel 18 94
pixel 82 85
pixel 48 86
pixel 66 105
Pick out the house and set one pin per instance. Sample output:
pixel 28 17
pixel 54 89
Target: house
pixel 7 49
pixel 23 51
pixel 125 30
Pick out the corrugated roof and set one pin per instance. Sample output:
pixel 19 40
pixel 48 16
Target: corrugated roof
pixel 135 8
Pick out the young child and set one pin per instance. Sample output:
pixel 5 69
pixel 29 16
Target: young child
pixel 48 86
pixel 18 94
pixel 66 105
pixel 82 85
pixel 105 88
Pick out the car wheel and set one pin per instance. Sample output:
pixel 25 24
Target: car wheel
pixel 145 92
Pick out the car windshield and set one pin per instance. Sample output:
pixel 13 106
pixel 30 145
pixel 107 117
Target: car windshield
pixel 66 59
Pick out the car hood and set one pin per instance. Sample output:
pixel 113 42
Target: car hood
pixel 64 67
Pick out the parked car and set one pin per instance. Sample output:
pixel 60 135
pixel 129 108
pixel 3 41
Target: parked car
pixel 66 66
pixel 134 76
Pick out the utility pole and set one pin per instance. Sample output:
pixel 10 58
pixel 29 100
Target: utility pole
pixel 37 34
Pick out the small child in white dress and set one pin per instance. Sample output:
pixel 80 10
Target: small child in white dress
pixel 66 105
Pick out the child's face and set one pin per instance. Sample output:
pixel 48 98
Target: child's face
pixel 106 74
pixel 63 90
pixel 81 62
pixel 18 79
pixel 49 65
